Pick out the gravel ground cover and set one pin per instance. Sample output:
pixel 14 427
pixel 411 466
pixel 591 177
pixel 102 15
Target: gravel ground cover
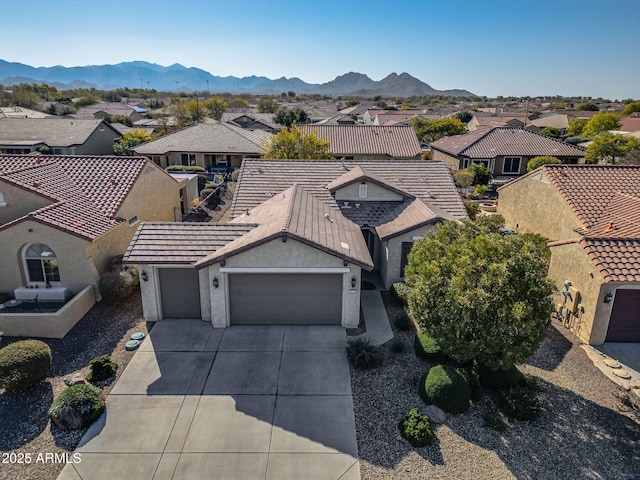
pixel 583 432
pixel 24 425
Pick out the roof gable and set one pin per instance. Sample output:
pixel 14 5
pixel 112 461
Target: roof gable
pixel 358 174
pixel 414 214
pixel 55 132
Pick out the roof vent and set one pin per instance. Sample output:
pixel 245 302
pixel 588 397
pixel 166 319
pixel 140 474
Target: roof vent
pixel 37 183
pixel 609 228
pixel 346 205
pixel 247 212
pixel 357 205
pixel 112 178
pixel 328 217
pixel 38 157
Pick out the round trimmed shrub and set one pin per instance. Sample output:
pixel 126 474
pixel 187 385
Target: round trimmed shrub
pixel 403 322
pixel 416 428
pixel 77 407
pixel 447 388
pixel 496 379
pixel 399 291
pixel 205 192
pixel 119 283
pixel 101 368
pixel 427 348
pixel 23 364
pixel 519 402
pixel 363 354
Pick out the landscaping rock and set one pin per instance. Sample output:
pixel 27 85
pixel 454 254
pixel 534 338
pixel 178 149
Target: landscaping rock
pixel 68 418
pixel 436 414
pixel 73 379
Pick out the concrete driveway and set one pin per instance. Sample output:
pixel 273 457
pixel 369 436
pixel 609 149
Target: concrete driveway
pixel 240 403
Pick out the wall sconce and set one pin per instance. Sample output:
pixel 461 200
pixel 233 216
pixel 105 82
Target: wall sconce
pixel 144 276
pixel 608 297
pixel 353 282
pixel 215 282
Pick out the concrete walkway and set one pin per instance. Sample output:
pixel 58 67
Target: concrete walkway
pixel 375 317
pixel 240 403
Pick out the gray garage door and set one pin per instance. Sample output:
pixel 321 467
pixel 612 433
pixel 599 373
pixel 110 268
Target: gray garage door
pixel 624 324
pixel 285 299
pixel 180 292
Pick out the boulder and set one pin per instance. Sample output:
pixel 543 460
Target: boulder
pixel 436 414
pixel 73 379
pixel 68 418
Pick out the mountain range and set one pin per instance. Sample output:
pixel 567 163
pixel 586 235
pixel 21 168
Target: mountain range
pixel 177 77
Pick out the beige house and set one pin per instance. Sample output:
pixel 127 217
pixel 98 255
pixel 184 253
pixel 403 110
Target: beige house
pixel 63 219
pixel 591 214
pixel 300 233
pixel 503 150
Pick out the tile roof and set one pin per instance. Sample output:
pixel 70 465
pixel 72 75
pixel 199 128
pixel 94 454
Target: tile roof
pixel 398 141
pixel 358 174
pixel 414 214
pixel 496 141
pixel 55 132
pixel 297 214
pixel 180 243
pixel 428 180
pixel 630 124
pixel 86 191
pixel 111 108
pixel 617 260
pixel 214 137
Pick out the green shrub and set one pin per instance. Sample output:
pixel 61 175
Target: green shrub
pixel 474 383
pixel 204 193
pixel 472 208
pixel 101 368
pixel 536 162
pixel 497 379
pixel 363 354
pixel 519 402
pixel 119 283
pixel 494 422
pixel 186 168
pixel 400 291
pixel 481 174
pixel 416 429
pixel 575 140
pixel 86 400
pixel 427 348
pixel 446 387
pixel 403 322
pixel 397 345
pixel 23 364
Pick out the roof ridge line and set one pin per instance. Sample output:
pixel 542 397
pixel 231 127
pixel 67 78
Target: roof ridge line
pixel 288 216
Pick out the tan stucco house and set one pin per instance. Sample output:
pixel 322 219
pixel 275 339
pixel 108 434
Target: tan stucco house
pixel 63 218
pixel 503 150
pixel 300 234
pixel 591 214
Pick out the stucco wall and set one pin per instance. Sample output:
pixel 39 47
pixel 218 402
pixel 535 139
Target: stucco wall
pixel 374 193
pixel 392 253
pixel 452 163
pixel 570 262
pixel 175 158
pixel 19 202
pixel 531 205
pixel 100 142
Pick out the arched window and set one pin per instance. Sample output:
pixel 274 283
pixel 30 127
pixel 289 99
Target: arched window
pixel 42 264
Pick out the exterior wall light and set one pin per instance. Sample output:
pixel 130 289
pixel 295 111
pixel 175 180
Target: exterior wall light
pixel 608 297
pixel 144 276
pixel 353 282
pixel 215 282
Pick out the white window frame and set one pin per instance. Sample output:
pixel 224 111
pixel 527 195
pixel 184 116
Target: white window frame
pixel 504 163
pixel 26 257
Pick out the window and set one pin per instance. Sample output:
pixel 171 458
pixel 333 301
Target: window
pixel 404 256
pixel 188 159
pixel 511 165
pixel 484 163
pixel 42 264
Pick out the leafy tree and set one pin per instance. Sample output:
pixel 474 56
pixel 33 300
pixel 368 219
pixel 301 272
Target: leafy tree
pixel 130 140
pixel 552 132
pixel 188 112
pixel 479 294
pixel 588 106
pixel 631 108
pixel 237 103
pixel 267 105
pixel 119 119
pixel 481 174
pixel 463 178
pixel 431 130
pixel 289 117
pixel 536 162
pixel 291 94
pixel 576 126
pixel 214 107
pixel 600 122
pixel 609 147
pixel 86 100
pixel 464 117
pixel 293 143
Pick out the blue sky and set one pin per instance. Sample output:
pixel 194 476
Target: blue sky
pixel 490 47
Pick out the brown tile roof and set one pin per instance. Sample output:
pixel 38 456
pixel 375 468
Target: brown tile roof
pixel 616 260
pixel 55 132
pixel 428 180
pixel 415 214
pixel 180 243
pixel 297 214
pixel 399 141
pixel 497 141
pixel 630 124
pixel 86 191
pixel 358 174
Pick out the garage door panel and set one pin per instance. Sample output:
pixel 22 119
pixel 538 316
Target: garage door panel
pixel 285 299
pixel 624 323
pixel 179 292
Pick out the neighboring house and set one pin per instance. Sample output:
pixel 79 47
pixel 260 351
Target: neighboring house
pixel 212 145
pixel 122 128
pixel 300 233
pixel 591 214
pixel 503 120
pixel 631 123
pixel 369 141
pixel 504 151
pixel 63 136
pixel 110 109
pixel 251 121
pixel 63 218
pixel 21 112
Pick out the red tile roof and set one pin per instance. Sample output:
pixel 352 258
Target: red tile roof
pixel 496 141
pixel 616 260
pixel 86 191
pixel 395 141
